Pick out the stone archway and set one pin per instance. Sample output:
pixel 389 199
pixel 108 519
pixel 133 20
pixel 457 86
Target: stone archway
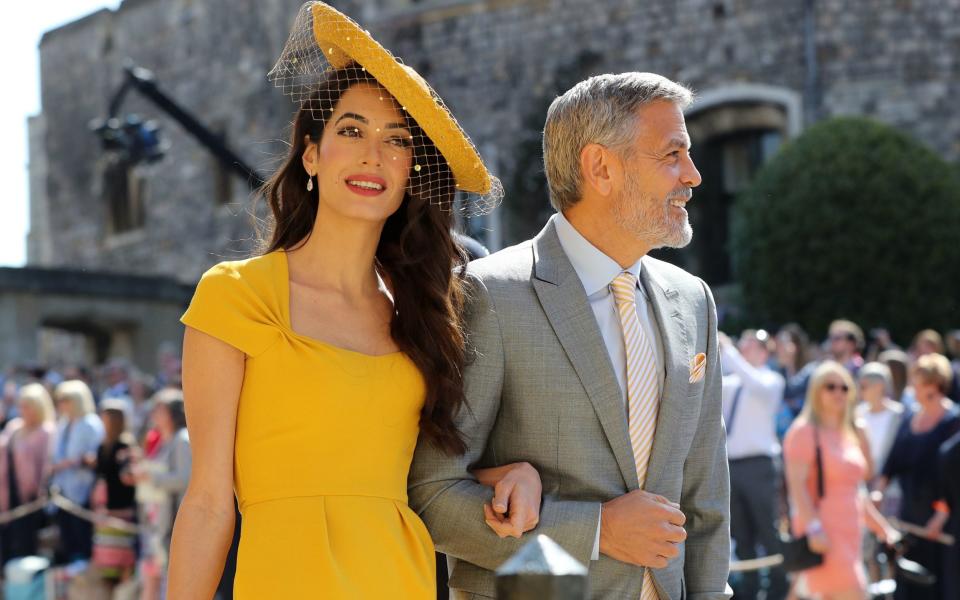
pixel 788 102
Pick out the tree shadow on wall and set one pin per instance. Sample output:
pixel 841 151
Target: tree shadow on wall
pixel 527 205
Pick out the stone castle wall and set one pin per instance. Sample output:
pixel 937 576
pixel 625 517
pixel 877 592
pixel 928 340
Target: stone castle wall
pixel 497 64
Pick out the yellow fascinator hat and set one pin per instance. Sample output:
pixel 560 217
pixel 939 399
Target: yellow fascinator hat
pixel 324 40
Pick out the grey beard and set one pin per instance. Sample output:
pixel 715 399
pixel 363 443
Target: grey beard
pixel 649 224
pixel 677 237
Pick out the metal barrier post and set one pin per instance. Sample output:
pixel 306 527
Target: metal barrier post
pixel 542 570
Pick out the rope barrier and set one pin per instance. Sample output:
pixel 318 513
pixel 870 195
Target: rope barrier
pixel 23 510
pixel 75 509
pixel 944 538
pixel 62 502
pixel 764 562
pixel 755 564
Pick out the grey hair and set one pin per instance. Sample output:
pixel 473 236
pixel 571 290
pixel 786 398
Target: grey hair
pixel 600 110
pixel 877 371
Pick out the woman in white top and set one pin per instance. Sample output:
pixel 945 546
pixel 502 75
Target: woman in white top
pixel 877 413
pixel 880 417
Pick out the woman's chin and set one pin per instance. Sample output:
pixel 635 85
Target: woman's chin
pixel 372 209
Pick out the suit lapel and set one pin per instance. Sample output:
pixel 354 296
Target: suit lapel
pixel 676 350
pixel 565 303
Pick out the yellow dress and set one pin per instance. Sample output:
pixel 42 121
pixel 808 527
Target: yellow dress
pixel 324 441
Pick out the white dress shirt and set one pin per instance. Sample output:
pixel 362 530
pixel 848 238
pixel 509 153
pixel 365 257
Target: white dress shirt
pixel 753 431
pixel 596 272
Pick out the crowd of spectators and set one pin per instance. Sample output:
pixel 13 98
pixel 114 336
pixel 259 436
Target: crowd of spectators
pixel 878 425
pixel 878 421
pixel 93 464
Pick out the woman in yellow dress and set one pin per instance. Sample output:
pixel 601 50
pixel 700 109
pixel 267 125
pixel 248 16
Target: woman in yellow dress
pixel 310 370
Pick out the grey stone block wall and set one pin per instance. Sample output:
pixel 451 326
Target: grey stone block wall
pixel 39 238
pixel 495 62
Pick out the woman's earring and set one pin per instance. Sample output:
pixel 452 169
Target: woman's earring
pixel 310 183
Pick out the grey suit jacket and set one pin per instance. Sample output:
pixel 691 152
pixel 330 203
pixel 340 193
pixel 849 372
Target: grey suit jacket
pixel 540 388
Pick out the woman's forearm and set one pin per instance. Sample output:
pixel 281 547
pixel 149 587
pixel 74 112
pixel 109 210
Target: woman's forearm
pixel 805 506
pixel 490 476
pixel 201 538
pixel 800 499
pixel 871 470
pixel 874 520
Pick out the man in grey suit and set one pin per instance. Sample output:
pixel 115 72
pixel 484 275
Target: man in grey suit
pixel 550 379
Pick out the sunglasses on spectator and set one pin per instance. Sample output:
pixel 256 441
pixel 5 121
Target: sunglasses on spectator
pixel 832 387
pixel 836 337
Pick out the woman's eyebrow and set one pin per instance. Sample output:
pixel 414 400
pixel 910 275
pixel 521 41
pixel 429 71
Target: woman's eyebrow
pixel 355 116
pixel 362 119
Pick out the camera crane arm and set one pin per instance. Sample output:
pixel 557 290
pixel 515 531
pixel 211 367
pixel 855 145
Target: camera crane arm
pixel 143 81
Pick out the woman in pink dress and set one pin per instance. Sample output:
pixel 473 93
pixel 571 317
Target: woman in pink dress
pixel 24 466
pixel 834 523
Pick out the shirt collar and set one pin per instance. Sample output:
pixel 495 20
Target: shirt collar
pixel 594 268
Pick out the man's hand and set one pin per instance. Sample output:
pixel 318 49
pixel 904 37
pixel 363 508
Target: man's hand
pixel 642 529
pixel 517 492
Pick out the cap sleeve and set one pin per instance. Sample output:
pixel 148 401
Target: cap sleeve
pixel 231 304
pixel 798 444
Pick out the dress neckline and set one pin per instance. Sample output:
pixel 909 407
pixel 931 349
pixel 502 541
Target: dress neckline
pixel 284 287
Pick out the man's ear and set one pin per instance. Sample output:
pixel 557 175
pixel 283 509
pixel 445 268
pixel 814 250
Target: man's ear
pixel 599 169
pixel 309 157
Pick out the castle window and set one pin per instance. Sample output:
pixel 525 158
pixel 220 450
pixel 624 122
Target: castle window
pixel 124 189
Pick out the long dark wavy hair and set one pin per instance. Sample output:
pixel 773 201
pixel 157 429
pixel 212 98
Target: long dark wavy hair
pixel 416 254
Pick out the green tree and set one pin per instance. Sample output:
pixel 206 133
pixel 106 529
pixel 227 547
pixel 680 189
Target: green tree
pixel 852 219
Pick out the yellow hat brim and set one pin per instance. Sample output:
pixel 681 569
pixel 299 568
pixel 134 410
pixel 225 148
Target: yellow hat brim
pixel 343 42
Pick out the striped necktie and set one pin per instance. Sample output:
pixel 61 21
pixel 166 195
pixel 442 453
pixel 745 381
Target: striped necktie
pixel 643 401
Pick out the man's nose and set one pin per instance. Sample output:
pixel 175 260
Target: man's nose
pixel 690 176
